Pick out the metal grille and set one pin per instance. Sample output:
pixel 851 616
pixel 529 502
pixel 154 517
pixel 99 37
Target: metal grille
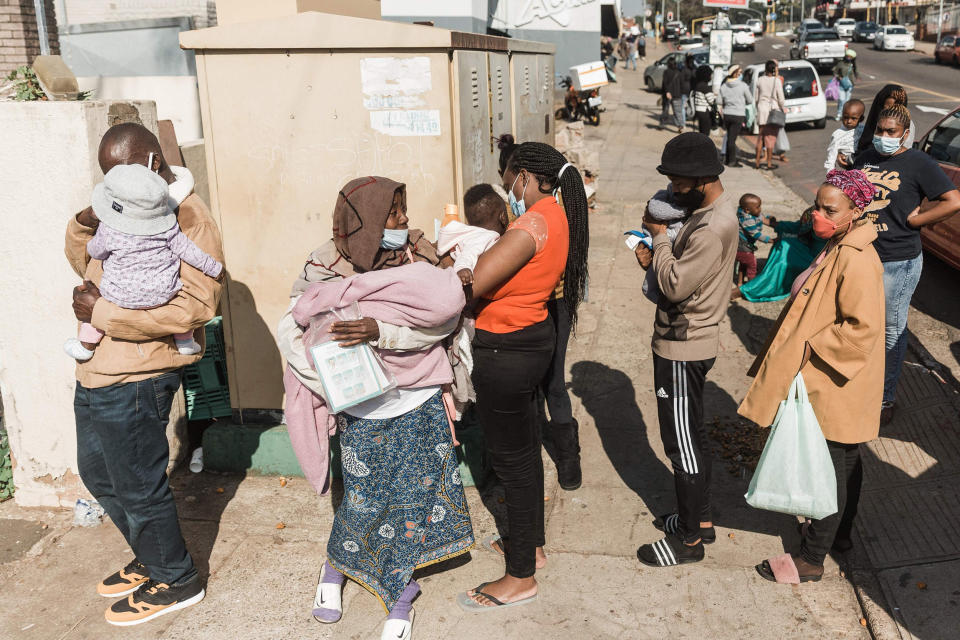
pixel 475 87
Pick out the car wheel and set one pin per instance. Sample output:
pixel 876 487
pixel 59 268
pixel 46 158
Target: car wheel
pixel 956 61
pixel 936 59
pixel 651 85
pixel 793 54
pixel 821 123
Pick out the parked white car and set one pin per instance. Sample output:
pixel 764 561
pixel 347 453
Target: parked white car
pixel 844 27
pixel 756 25
pixel 892 37
pixel 802 91
pixel 743 38
pixel 689 43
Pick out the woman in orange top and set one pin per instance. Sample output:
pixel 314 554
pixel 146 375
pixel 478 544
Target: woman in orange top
pixel 514 346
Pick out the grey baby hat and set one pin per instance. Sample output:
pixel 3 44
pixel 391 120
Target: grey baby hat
pixel 133 200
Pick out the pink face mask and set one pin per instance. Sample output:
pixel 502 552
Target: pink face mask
pixel 824 228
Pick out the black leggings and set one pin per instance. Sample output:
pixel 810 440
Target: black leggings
pixel 508 369
pixel 733 125
pixel 554 384
pixel 704 122
pixel 821 533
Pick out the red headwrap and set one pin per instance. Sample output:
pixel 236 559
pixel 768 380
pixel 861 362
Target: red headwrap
pixel 854 184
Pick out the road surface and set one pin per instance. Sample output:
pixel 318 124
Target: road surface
pixel 928 85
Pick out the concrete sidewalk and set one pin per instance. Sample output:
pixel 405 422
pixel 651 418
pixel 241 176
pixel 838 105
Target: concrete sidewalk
pixel 261 544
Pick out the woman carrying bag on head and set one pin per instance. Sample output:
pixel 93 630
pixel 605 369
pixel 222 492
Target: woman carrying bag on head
pixel 831 331
pixel 771 117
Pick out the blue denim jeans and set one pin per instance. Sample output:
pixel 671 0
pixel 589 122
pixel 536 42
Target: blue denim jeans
pixel 842 100
pixel 900 280
pixel 679 105
pixel 122 455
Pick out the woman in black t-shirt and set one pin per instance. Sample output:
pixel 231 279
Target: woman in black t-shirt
pixel 904 179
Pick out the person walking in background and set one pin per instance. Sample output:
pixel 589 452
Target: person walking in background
pixel 642 45
pixel 684 85
pixel 768 97
pixel 632 51
pixel 623 49
pixel 845 72
pixel 904 179
pixel 704 100
pixel 693 274
pixel 668 87
pixel 124 394
pixel 782 145
pixel 514 345
pixel 734 97
pixel 831 330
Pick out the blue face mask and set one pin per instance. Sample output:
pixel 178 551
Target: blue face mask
pixel 519 207
pixel 394 239
pixel 886 146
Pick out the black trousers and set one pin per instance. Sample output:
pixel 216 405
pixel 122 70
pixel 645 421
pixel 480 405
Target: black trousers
pixel 507 372
pixel 704 122
pixel 733 125
pixel 679 389
pixel 122 455
pixel 554 384
pixel 821 533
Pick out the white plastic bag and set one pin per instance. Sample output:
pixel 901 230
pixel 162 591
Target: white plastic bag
pixel 795 474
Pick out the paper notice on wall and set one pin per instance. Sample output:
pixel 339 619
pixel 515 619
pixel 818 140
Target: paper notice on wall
pixel 417 122
pixel 395 83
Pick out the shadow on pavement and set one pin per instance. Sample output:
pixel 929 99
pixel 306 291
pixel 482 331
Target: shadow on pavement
pixel 752 329
pixel 932 297
pixel 609 396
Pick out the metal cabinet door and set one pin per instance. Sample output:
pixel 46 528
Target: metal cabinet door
pixel 533 82
pixel 473 106
pixel 501 105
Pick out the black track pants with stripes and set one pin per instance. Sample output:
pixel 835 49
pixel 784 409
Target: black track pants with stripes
pixel 679 389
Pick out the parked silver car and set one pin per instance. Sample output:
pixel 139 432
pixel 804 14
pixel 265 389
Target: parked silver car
pixel 653 74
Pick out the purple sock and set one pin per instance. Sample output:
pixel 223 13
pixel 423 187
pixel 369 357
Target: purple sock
pixel 331 575
pixel 401 610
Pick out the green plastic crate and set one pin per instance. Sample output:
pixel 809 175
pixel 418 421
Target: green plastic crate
pixel 205 382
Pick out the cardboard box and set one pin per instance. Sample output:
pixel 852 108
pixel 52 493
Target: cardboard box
pixel 589 76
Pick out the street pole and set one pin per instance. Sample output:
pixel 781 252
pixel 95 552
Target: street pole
pixel 939 21
pixel 41 16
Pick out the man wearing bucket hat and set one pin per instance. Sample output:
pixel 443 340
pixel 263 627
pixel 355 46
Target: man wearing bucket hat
pixel 694 278
pixel 122 449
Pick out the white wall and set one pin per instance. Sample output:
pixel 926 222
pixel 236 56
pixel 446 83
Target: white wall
pixel 548 15
pixel 175 96
pixel 439 8
pixel 49 165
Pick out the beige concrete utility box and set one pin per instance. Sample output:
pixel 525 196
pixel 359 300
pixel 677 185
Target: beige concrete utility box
pixel 295 107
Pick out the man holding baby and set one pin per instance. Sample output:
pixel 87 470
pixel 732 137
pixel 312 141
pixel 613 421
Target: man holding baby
pixel 692 270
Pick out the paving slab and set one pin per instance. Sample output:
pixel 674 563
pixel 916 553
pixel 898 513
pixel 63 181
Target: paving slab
pixel 925 600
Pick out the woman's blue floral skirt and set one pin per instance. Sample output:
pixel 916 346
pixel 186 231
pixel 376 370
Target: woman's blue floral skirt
pixel 403 505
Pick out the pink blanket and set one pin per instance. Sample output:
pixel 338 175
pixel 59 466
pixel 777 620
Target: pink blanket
pixel 417 295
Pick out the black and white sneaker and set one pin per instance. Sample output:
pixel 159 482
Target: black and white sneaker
pixel 154 599
pixel 668 524
pixel 669 552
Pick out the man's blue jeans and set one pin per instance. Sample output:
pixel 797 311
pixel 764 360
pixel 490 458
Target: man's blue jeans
pixel 842 100
pixel 679 105
pixel 122 454
pixel 900 280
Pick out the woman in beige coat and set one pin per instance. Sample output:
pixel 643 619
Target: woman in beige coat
pixel 832 332
pixel 768 96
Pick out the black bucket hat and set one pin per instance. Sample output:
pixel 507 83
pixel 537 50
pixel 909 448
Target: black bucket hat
pixel 691 155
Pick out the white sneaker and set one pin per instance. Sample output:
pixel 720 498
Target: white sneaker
pixel 76 350
pixel 190 348
pixel 398 629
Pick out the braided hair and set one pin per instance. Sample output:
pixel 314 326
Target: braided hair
pixel 507 145
pixel 899 113
pixel 899 95
pixel 545 163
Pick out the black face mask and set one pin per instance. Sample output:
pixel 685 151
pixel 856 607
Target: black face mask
pixel 692 199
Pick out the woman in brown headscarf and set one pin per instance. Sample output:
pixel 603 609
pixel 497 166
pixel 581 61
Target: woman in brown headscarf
pixel 404 506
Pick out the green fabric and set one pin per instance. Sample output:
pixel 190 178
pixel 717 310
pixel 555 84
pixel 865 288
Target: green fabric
pixel 788 258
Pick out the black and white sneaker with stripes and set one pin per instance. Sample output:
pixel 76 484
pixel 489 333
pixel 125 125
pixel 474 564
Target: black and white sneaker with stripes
pixel 668 524
pixel 669 552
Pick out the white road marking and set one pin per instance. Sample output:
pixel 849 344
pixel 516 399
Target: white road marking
pixel 872 77
pixel 776 46
pixel 936 110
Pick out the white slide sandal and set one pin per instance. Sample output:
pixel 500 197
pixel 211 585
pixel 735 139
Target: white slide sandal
pixel 398 629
